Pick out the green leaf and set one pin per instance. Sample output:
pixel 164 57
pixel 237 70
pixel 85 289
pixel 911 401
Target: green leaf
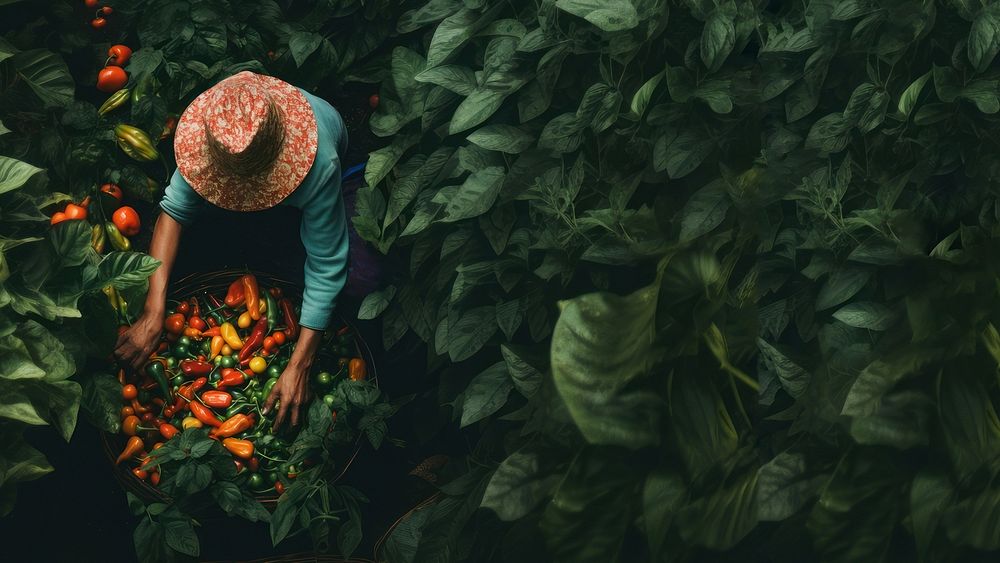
pixel 181 537
pixel 459 79
pixel 302 44
pixel 969 422
pixel 126 269
pixel 684 153
pixel 16 362
pixel 867 314
pixel 784 487
pixel 486 394
pixel 504 138
pixel 794 379
pixel 71 242
pixel 449 35
pixel 975 521
pixel 722 518
pixel 235 501
pixel 901 421
pixel 930 494
pixel 518 486
pixel 47 351
pixel 475 109
pixel 841 286
pixel 643 96
pixel 14 174
pixel 704 211
pixel 20 463
pixel 702 426
pixel 527 379
pixel 717 39
pixel 600 343
pixel 47 75
pixel 475 196
pixel 563 133
pixel 470 332
pixel 607 15
pixel 984 40
pixel 908 100
pixel 663 496
pixel 376 302
pixel 101 401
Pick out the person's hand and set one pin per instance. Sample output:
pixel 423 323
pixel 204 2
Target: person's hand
pixel 136 344
pixel 292 389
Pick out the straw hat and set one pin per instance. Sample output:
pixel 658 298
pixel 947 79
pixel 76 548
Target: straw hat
pixel 246 143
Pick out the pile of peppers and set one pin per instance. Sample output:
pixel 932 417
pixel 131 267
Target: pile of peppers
pixel 216 364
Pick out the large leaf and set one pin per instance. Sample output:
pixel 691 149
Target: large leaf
pixel 47 75
pixel 126 269
pixel 475 196
pixel 600 343
pixel 486 393
pixel 608 15
pixel 518 486
pixel 14 174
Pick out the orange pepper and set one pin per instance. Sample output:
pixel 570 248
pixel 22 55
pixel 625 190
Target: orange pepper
pixel 240 448
pixel 356 369
pixel 251 296
pixel 132 447
pixel 217 343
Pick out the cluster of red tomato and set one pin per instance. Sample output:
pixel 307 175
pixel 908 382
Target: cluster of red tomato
pixel 113 77
pixel 99 20
pixel 124 219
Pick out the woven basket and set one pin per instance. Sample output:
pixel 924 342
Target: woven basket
pixel 380 544
pixel 218 282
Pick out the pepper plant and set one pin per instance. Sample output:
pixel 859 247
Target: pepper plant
pixel 706 279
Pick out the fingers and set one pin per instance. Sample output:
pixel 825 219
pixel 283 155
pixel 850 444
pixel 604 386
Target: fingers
pixel 295 414
pixel 122 339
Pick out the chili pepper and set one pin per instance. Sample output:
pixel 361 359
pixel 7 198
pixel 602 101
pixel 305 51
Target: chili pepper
pixel 193 333
pixel 118 240
pixel 138 407
pixel 195 307
pixel 233 425
pixel 126 412
pixel 237 408
pixel 168 431
pixel 196 368
pixel 114 102
pixel 251 296
pixel 126 220
pixel 272 312
pixel 213 332
pixel 147 417
pixel 98 239
pixel 169 411
pixel 196 322
pixel 244 320
pixel 279 487
pixel 240 448
pixel 121 372
pixel 204 414
pixel 214 320
pixel 275 292
pixel 129 392
pixel 57 217
pixel 343 330
pixel 217 343
pixel 231 378
pixel 269 386
pixel 291 324
pixel 217 399
pixel 253 464
pixel 74 212
pixel 154 477
pixel 157 370
pixel 234 297
pixel 188 390
pixel 142 474
pixel 135 143
pixel 214 301
pixel 191 422
pixel 228 332
pixel 132 447
pixel 130 425
pixel 255 340
pixel 169 125
pixel 356 369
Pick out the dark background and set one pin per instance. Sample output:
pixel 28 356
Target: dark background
pixel 79 512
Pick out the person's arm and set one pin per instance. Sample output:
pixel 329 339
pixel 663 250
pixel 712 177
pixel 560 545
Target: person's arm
pixel 324 235
pixel 180 204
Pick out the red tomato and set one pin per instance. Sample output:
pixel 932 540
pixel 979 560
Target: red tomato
pixel 106 10
pixel 280 487
pixel 111 78
pixel 112 190
pixel 127 220
pixel 269 343
pixel 129 392
pixel 279 337
pixel 91 3
pixel 373 101
pixel 98 23
pixel 183 307
pixel 197 322
pixel 174 324
pixel 57 217
pixel 118 55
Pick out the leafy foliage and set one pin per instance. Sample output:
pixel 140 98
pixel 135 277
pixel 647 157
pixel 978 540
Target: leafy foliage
pixel 755 241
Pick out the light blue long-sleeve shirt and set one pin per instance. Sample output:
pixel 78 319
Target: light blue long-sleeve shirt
pixel 324 225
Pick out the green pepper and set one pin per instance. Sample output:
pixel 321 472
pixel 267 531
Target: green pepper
pixel 179 380
pixel 257 482
pixel 143 88
pixel 268 386
pixel 114 102
pixel 184 341
pixel 272 312
pixel 171 363
pixel 273 371
pixel 157 371
pixel 118 240
pixel 236 408
pixel 180 350
pixel 227 362
pixel 135 143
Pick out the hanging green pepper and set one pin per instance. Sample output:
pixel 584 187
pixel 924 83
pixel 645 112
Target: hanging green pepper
pixel 135 143
pixel 114 102
pixel 157 371
pixel 272 312
pixel 142 89
pixel 98 238
pixel 118 240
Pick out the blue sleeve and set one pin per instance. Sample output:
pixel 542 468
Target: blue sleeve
pixel 324 236
pixel 180 201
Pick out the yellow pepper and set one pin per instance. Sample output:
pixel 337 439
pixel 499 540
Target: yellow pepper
pixel 191 422
pixel 231 337
pixel 244 321
pixel 217 343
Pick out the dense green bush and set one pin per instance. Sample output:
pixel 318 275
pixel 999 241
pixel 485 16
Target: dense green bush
pixel 723 269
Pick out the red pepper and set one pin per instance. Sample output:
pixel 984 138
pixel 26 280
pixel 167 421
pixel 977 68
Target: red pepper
pixel 212 332
pixel 255 341
pixel 233 425
pixel 138 408
pixel 168 431
pixel 251 296
pixel 212 323
pixel 217 399
pixel 235 296
pixel 132 447
pixel 204 414
pixel 196 368
pixel 193 333
pixel 197 323
pixel 195 307
pixel 231 378
pixel 291 323
pixel 140 473
pixel 216 304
